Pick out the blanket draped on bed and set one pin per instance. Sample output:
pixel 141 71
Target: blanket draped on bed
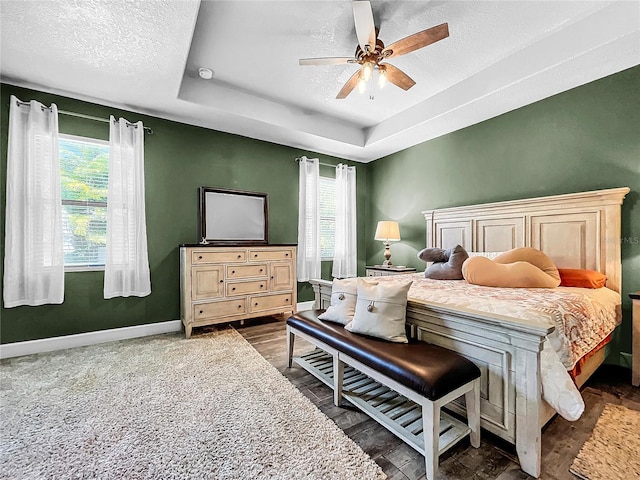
pixel 582 319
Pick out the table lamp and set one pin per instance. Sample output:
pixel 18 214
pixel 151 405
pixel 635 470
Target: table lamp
pixel 387 231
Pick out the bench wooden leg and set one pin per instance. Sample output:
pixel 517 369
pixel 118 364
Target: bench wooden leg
pixel 431 430
pixel 472 400
pixel 290 341
pixel 338 376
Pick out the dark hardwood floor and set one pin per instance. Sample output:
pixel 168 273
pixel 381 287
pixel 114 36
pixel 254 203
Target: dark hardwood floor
pixel 495 459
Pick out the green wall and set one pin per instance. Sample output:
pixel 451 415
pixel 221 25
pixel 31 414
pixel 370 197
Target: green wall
pixel 178 159
pixel 584 139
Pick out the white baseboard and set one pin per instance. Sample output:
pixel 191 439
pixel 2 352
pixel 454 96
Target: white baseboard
pixel 305 305
pixel 30 347
pixel 18 349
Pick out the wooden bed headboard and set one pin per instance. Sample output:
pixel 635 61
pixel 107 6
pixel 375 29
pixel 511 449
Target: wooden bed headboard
pixel 577 230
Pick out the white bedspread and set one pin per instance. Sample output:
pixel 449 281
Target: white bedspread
pixel 582 319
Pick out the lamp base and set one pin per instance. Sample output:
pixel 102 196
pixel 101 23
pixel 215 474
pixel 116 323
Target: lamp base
pixel 387 256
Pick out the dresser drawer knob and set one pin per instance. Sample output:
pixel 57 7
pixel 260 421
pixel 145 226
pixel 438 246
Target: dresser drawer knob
pixel 255 255
pixel 271 277
pixel 286 254
pixel 239 256
pixel 261 286
pixel 233 289
pixel 221 281
pixel 287 300
pixel 201 312
pixel 255 304
pixel 260 270
pixel 199 257
pixel 239 306
pixel 233 271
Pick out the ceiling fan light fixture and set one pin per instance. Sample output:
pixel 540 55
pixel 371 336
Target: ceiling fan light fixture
pixel 370 51
pixel 362 84
pixel 382 76
pixel 367 70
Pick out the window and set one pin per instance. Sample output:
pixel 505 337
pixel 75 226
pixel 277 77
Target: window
pixel 84 171
pixel 327 196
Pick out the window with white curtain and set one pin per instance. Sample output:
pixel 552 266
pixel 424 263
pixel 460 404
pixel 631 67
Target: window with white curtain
pixel 84 174
pixel 327 198
pixel 345 252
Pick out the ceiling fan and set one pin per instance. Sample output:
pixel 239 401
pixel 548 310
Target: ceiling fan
pixel 372 54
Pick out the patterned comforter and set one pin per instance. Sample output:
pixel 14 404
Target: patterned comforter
pixel 582 317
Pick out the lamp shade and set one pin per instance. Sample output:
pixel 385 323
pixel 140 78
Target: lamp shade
pixel 387 231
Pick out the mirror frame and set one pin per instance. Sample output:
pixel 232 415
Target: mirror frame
pixel 202 216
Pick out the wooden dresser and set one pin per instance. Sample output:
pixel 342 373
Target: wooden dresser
pixel 226 283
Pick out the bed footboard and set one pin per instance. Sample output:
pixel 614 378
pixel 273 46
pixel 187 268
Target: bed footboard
pixel 508 354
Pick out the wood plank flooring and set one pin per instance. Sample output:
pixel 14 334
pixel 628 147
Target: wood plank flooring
pixel 495 459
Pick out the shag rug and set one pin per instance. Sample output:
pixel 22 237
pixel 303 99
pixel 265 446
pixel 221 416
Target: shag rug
pixel 165 407
pixel 613 450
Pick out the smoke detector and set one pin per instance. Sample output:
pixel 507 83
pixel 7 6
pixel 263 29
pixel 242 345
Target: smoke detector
pixel 205 73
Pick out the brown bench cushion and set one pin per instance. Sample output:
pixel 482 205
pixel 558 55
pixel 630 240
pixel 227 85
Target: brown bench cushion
pixel 430 370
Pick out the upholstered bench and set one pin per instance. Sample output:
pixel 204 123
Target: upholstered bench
pixel 402 386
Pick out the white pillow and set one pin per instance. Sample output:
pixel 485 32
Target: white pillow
pixel 381 311
pixel 343 301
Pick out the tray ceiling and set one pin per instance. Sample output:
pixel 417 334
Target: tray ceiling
pixel 144 56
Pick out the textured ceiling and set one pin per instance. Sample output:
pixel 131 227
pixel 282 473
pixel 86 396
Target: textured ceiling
pixel 144 56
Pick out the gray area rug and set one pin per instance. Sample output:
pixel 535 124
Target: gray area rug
pixel 165 407
pixel 613 450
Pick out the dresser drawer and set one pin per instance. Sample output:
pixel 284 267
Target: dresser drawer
pixel 246 271
pixel 264 255
pixel 243 288
pixel 223 308
pixel 268 302
pixel 208 256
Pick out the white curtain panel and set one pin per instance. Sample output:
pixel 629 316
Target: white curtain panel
pixel 127 264
pixel 309 220
pixel 33 255
pixel 345 253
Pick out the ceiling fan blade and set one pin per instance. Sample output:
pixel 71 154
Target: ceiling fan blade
pixel 398 77
pixel 349 86
pixel 416 41
pixel 365 27
pixel 327 61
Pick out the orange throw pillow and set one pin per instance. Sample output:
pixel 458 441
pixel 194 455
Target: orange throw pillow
pixel 574 277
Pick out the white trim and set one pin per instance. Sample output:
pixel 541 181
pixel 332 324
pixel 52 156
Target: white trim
pixel 304 306
pixel 78 138
pixel 30 347
pixel 83 268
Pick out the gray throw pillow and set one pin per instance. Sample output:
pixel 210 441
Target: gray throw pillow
pixel 447 263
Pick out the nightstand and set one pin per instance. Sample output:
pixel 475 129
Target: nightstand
pixel 382 271
pixel 635 348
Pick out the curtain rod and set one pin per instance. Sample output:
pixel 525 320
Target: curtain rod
pixel 148 130
pixel 321 163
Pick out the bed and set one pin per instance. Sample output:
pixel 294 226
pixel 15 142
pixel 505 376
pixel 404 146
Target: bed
pixel 579 230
